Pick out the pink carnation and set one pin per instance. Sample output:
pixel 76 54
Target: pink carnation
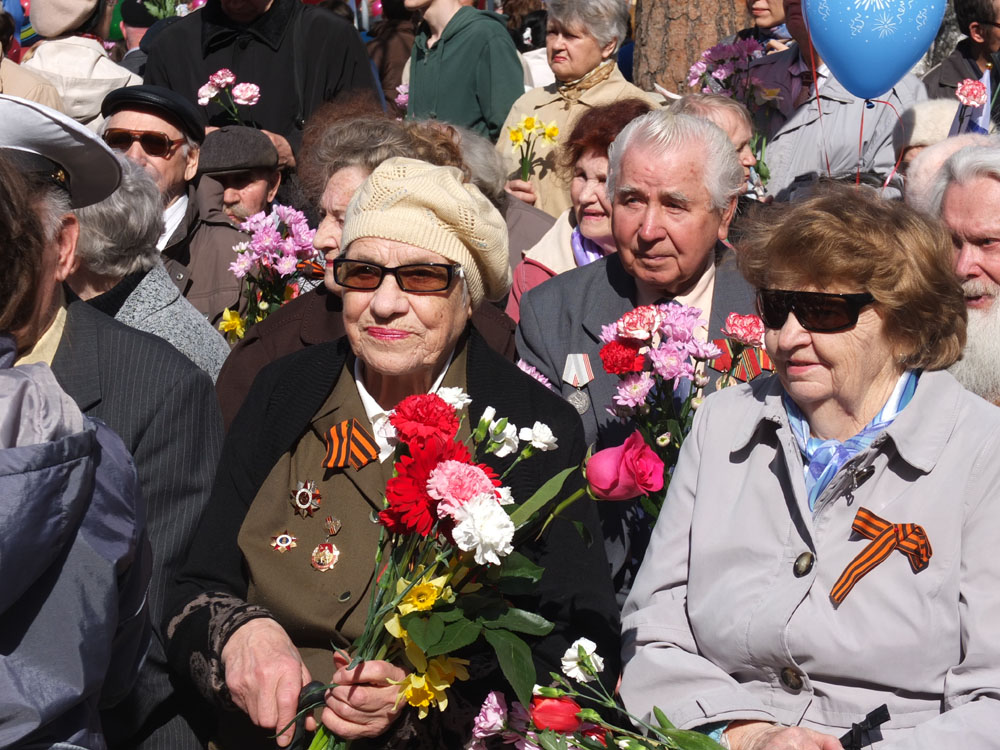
pixel 455 483
pixel 971 93
pixel 641 323
pixel 206 93
pixel 246 94
pixel 492 716
pixel 744 329
pixel 222 78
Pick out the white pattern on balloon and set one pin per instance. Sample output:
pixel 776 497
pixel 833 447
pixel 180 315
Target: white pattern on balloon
pixel 869 5
pixel 885 25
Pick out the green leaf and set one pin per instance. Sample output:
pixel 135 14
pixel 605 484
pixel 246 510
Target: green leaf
pixel 584 532
pixel 541 498
pixel 449 615
pixel 521 621
pixel 550 740
pixel 423 632
pixel 474 606
pixel 687 739
pixel 456 635
pixel 516 565
pixel 662 720
pixel 514 658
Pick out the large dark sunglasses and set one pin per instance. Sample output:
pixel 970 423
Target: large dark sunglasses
pixel 818 312
pixel 411 277
pixel 153 143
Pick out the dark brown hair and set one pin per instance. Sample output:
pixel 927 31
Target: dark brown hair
pixel 22 239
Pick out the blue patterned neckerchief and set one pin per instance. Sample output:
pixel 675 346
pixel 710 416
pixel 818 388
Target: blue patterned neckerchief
pixel 585 250
pixel 824 458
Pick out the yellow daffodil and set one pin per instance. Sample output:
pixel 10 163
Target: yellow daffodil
pixel 232 324
pixel 419 693
pixel 516 137
pixel 529 123
pixel 442 671
pixel 424 595
pixel 411 649
pixel 550 133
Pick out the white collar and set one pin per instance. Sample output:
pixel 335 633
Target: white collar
pixel 385 433
pixel 173 215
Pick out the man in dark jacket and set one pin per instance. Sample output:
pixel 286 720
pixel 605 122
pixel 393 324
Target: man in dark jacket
pixel 299 56
pixel 979 20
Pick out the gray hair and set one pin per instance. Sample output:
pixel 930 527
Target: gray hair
pixel 662 131
pixel 118 235
pixel 52 205
pixel 484 167
pixel 962 166
pixel 605 20
pixel 707 105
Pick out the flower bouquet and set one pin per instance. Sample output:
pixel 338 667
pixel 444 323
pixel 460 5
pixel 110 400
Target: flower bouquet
pixel 222 89
pixel 271 266
pixel 556 720
pixel 661 365
pixel 447 559
pixel 524 137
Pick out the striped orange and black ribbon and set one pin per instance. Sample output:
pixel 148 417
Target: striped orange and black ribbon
pixel 349 444
pixel 310 269
pixel 908 538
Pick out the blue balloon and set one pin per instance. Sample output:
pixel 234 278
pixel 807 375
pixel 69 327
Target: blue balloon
pixel 869 45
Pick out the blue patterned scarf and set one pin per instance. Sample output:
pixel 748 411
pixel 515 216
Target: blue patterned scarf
pixel 824 458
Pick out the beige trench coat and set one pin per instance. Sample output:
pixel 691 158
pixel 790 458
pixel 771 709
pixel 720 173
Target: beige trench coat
pixel 719 627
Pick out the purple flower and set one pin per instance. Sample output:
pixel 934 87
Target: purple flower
pixel 533 372
pixel 246 93
pixel 285 266
pixel 242 265
pixel 671 362
pixel 609 333
pixel 679 321
pixel 633 389
pixel 702 349
pixel 492 716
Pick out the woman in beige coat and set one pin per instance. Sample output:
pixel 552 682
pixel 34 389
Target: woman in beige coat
pixel 828 541
pixel 581 41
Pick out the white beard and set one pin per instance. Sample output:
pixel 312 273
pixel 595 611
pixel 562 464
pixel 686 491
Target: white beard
pixel 979 368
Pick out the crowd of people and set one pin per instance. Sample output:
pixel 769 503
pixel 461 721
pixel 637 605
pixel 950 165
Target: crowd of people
pixel 825 544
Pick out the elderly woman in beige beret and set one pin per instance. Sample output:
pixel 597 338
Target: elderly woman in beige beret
pixel 257 614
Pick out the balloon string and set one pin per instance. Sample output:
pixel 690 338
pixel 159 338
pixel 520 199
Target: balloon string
pixel 819 104
pixel 899 160
pixel 861 143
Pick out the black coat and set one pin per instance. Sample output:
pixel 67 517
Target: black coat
pixel 575 593
pixel 328 50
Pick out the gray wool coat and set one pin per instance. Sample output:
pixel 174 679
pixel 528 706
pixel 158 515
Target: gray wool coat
pixel 157 307
pixel 723 625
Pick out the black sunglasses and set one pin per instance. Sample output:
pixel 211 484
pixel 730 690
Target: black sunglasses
pixel 818 312
pixel 153 142
pixel 411 277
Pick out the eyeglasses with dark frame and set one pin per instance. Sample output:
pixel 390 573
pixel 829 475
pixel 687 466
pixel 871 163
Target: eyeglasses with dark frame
pixel 153 142
pixel 417 278
pixel 819 312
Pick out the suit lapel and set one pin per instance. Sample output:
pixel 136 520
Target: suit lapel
pixel 732 294
pixel 77 362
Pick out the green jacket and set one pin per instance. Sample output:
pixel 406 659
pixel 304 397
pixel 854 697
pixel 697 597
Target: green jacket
pixel 470 77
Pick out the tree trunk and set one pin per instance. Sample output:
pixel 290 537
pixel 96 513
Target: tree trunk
pixel 670 34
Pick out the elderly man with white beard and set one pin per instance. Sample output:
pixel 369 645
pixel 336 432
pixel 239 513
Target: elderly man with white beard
pixel 966 195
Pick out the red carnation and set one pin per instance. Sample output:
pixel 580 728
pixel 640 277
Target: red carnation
pixel 619 358
pixel 557 714
pixel 411 509
pixel 419 417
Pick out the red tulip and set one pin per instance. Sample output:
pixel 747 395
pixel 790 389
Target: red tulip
pixel 557 714
pixel 625 471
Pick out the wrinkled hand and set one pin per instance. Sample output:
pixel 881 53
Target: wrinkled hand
pixel 759 735
pixel 523 191
pixel 774 45
pixel 264 674
pixel 286 159
pixel 364 702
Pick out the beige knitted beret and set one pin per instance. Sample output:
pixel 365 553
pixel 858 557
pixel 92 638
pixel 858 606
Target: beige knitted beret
pixel 53 18
pixel 430 207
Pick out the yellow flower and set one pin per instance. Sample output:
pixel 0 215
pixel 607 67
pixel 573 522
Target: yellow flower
pixel 411 649
pixel 529 123
pixel 550 132
pixel 516 137
pixel 442 671
pixel 233 324
pixel 420 694
pixel 424 595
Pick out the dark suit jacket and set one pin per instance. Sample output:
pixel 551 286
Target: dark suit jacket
pixel 575 592
pixel 564 316
pixel 164 409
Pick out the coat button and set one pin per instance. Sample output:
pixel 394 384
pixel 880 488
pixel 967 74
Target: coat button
pixel 346 596
pixel 803 564
pixel 791 679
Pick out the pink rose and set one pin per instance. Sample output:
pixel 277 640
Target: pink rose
pixel 247 94
pixel 744 329
pixel 971 93
pixel 222 78
pixel 640 323
pixel 626 471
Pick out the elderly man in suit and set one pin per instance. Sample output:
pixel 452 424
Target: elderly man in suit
pixel 673 181
pixel 160 404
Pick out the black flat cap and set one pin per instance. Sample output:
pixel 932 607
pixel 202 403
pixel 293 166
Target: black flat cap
pixel 168 104
pixel 236 148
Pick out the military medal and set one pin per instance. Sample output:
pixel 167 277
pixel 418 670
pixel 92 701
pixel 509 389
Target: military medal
pixel 332 526
pixel 577 373
pixel 325 556
pixel 283 542
pixel 306 499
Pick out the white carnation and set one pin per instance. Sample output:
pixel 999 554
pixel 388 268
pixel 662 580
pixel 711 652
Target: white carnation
pixel 573 666
pixel 456 398
pixel 505 439
pixel 506 497
pixel 540 437
pixel 484 528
